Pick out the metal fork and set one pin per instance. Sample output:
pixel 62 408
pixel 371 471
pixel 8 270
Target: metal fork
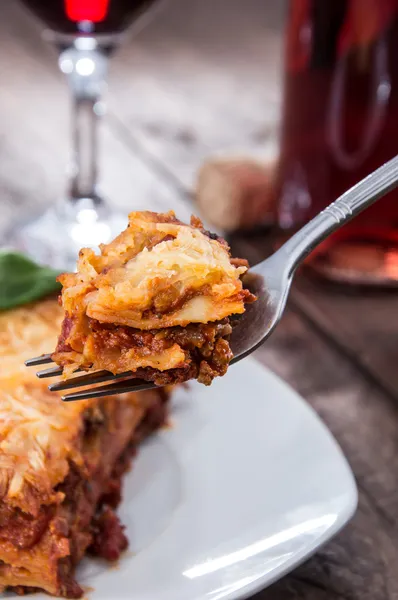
pixel 270 281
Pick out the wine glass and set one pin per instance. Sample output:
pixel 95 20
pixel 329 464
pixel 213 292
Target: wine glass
pixel 85 32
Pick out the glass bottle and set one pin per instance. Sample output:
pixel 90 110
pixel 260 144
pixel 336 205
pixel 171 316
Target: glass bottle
pixel 339 123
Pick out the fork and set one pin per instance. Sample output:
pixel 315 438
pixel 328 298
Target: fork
pixel 270 281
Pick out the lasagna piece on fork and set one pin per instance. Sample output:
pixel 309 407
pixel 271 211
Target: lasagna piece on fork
pixel 156 302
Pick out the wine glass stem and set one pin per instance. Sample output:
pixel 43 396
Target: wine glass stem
pixel 83 182
pixel 86 68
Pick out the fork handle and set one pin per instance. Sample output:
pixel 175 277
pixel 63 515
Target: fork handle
pixel 342 210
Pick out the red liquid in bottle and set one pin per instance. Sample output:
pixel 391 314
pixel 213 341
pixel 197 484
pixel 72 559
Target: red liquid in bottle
pixel 340 122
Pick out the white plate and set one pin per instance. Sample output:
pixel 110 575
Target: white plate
pixel 244 486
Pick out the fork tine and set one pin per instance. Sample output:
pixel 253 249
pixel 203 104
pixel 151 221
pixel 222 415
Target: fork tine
pixel 88 379
pixel 132 385
pixel 38 360
pixel 52 372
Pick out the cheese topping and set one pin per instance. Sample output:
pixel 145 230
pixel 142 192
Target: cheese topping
pixel 36 428
pixel 148 277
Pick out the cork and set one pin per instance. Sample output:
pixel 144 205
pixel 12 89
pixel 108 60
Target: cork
pixel 236 193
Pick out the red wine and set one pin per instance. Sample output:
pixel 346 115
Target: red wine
pixel 340 122
pixel 82 17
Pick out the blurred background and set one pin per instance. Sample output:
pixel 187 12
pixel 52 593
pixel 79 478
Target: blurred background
pixel 200 78
pixel 259 116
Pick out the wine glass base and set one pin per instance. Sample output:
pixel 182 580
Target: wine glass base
pixel 56 237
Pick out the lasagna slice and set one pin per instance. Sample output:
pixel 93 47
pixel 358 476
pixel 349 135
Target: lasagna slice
pixel 61 464
pixel 156 301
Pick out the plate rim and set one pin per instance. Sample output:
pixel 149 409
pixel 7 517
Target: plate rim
pixel 345 516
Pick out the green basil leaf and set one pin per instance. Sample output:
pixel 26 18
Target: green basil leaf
pixel 23 281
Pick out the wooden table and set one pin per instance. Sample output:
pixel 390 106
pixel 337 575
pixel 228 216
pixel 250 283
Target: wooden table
pixel 204 78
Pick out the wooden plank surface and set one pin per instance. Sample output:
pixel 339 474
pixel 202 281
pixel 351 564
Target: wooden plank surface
pixel 363 324
pixel 195 70
pixel 180 91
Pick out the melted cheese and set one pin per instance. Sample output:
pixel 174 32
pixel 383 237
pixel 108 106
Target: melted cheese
pixel 25 332
pixel 36 441
pixel 147 278
pixel 37 429
pixel 39 434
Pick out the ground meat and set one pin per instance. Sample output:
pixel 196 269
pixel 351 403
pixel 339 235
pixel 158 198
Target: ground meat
pixel 66 328
pixel 21 529
pixel 112 346
pixel 109 540
pixel 170 377
pixel 218 366
pixel 69 588
pixel 112 496
pixel 200 336
pixel 119 337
